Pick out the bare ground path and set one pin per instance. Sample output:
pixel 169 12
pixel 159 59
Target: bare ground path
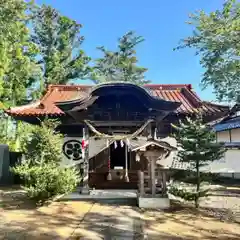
pixel 87 220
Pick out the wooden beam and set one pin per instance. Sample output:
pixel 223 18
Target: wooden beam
pixel 116 123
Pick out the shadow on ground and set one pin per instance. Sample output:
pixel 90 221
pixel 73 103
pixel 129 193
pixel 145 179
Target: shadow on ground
pixel 230 192
pixel 20 219
pixel 97 221
pixel 15 199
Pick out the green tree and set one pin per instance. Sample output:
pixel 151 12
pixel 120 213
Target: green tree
pixel 120 65
pixel 18 67
pixel 197 148
pixel 43 175
pixel 41 143
pixel 216 37
pixel 61 58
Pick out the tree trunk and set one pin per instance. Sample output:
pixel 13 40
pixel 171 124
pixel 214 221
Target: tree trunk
pixel 198 184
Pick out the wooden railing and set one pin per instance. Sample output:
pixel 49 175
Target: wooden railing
pixel 152 186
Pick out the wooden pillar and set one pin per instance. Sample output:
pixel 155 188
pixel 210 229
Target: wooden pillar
pixel 141 182
pixel 153 178
pixel 164 182
pixel 149 174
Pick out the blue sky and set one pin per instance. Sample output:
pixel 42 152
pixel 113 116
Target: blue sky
pixel 161 23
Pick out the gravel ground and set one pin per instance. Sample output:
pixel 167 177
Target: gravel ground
pixel 223 202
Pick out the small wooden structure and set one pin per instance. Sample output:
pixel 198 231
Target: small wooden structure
pixel 152 183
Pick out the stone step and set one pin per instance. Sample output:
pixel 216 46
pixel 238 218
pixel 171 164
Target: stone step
pixel 113 197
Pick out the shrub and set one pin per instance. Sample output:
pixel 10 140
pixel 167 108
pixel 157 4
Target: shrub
pixel 42 182
pixel 187 195
pixel 41 172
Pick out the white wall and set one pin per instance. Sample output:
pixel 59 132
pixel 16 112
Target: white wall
pixel 223 136
pixel 235 135
pixel 232 135
pixel 71 161
pixel 232 156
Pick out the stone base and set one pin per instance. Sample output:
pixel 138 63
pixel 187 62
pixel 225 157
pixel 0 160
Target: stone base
pixel 85 191
pixel 154 203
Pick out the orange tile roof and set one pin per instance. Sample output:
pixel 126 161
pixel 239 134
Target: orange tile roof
pixel 182 93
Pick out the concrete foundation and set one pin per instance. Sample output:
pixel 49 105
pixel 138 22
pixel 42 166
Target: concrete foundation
pixel 117 196
pixel 154 202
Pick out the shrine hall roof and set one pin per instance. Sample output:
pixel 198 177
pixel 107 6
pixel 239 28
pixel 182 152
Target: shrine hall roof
pixel 182 93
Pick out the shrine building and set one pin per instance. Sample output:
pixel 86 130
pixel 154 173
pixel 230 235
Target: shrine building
pixel 114 130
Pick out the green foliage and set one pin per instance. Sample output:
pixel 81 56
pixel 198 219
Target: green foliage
pixel 38 46
pixel 41 171
pixel 197 143
pixel 197 147
pixel 120 65
pixel 58 38
pixel 18 67
pixel 47 180
pixel 188 176
pixel 187 195
pixel 216 38
pixel 6 133
pixel 43 143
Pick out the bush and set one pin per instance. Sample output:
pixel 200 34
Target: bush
pixel 43 182
pixel 187 176
pixel 41 172
pixel 187 195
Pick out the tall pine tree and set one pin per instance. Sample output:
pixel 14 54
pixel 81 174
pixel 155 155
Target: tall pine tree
pixel 120 65
pixel 197 148
pixel 61 57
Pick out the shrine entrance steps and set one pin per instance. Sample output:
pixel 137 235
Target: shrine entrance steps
pixel 127 197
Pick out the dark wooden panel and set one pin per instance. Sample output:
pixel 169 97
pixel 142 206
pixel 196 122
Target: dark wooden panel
pixel 98 180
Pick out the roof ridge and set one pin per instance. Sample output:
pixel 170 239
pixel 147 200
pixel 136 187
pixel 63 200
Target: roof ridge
pixel 54 86
pixel 49 91
pixel 74 86
pixel 216 104
pixel 187 85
